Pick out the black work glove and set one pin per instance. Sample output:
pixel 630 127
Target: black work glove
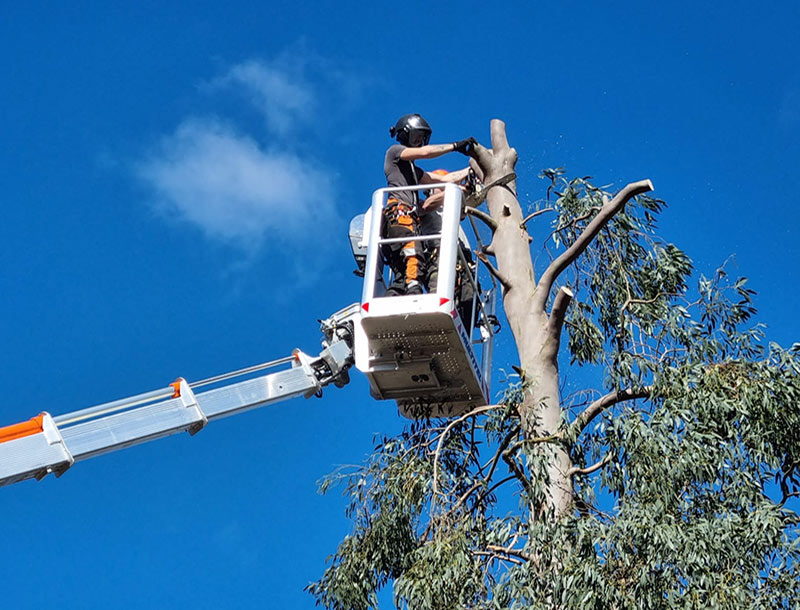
pixel 465 147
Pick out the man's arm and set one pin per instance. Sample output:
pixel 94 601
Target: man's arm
pixel 433 202
pixel 431 151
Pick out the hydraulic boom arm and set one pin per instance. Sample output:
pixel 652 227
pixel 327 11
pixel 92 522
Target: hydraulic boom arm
pixel 48 444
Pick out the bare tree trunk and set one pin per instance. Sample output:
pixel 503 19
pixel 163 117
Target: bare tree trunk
pixel 537 333
pixel 536 338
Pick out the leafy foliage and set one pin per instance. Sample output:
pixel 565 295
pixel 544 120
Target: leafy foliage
pixel 696 479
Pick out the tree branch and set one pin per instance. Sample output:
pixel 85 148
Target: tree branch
pixel 577 219
pixel 482 482
pixel 508 551
pixel 498 131
pixel 464 497
pixel 606 213
pixel 493 555
pixel 475 166
pixel 533 215
pixel 502 447
pixel 508 458
pixel 504 282
pixel 537 440
pixel 447 429
pixel 481 215
pixel 562 301
pixel 599 405
pixel 590 469
pixel 483 158
pixel 496 485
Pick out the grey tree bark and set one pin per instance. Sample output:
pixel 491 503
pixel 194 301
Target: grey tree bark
pixel 536 331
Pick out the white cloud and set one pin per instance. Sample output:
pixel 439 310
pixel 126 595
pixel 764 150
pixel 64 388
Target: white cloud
pixel 237 190
pixel 223 182
pixel 278 91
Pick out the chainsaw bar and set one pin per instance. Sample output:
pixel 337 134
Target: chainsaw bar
pixel 477 197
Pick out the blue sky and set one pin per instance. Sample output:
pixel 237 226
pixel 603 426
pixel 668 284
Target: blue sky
pixel 176 185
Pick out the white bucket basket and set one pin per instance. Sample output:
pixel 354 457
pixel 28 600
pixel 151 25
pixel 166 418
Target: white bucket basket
pixel 416 349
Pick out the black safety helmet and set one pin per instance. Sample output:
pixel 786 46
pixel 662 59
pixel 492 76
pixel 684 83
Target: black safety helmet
pixel 411 130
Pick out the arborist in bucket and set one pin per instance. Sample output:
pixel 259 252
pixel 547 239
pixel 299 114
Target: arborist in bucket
pixel 431 224
pixel 401 213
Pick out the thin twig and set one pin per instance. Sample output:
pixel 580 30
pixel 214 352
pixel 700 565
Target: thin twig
pixel 465 496
pixel 537 440
pixel 508 458
pixel 592 210
pixel 443 435
pixel 496 485
pixel 533 215
pixel 503 446
pixel 499 557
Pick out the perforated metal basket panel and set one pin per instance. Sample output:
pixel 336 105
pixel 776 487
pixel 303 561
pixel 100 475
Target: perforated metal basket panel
pixel 419 360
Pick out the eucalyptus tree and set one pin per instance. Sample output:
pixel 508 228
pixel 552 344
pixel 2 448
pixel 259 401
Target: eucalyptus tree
pixel 651 461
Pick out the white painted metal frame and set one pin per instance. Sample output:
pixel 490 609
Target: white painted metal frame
pixel 451 211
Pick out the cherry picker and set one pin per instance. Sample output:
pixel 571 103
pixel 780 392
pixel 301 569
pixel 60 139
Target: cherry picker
pixel 416 350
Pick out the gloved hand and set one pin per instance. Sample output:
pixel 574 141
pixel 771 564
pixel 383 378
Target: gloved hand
pixel 465 147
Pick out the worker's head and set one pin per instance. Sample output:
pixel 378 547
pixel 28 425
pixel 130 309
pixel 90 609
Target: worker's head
pixel 411 130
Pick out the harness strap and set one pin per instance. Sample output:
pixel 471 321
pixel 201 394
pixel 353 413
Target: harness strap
pixel 396 208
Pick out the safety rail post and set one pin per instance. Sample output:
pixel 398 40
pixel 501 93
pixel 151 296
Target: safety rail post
pixel 448 238
pixel 475 292
pixel 448 246
pixel 371 269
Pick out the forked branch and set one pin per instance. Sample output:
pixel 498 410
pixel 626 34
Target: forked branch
pixel 601 404
pixel 605 214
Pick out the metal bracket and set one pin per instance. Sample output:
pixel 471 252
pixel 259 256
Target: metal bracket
pixel 305 362
pixel 190 402
pixel 53 436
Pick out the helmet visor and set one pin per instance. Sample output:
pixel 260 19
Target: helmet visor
pixel 419 137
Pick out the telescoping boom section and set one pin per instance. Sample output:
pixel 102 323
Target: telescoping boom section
pixel 47 444
pixel 432 352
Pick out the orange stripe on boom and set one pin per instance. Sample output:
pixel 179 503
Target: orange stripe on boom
pixel 26 428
